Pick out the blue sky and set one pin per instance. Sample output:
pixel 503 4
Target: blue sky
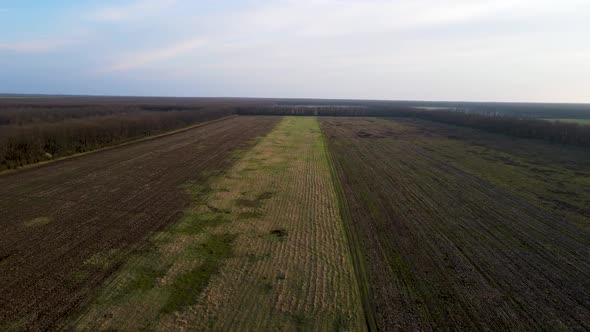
pixel 527 50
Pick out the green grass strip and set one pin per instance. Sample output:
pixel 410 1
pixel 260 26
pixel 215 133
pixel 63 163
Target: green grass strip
pixel 356 249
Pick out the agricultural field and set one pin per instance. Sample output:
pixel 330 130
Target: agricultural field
pixel 461 229
pixel 261 248
pixel 287 215
pixel 68 225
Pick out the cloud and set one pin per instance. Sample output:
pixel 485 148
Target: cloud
pixel 325 18
pixel 139 59
pixel 348 48
pixel 133 10
pixel 36 46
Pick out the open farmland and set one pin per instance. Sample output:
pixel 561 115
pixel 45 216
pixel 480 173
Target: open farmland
pixel 324 222
pixel 462 229
pixel 261 248
pixel 68 225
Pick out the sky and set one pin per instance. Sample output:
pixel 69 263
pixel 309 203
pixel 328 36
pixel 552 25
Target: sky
pixel 472 50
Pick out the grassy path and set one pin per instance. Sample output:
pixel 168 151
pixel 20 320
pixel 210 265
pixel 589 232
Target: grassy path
pixel 262 248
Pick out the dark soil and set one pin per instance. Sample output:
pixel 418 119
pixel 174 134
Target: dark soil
pixel 102 207
pixel 445 248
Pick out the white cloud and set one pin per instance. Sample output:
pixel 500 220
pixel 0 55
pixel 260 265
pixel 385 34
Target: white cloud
pixel 372 19
pixel 139 59
pixel 132 10
pixel 36 46
pixel 346 17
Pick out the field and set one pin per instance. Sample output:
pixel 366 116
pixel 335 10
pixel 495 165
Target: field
pixel 250 214
pixel 68 225
pixel 465 230
pixel 278 255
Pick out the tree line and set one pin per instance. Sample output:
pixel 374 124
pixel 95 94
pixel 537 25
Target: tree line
pixel 30 135
pixel 523 127
pixel 34 131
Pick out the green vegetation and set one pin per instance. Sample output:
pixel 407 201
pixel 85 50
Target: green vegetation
pixel 187 287
pixel 279 234
pixel 577 121
pixel 37 222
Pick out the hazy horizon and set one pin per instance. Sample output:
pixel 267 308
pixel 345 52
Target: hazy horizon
pixel 484 51
pixel 8 95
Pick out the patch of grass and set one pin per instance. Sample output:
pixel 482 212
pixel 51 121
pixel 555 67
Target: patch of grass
pixel 250 203
pixel 276 167
pixel 265 195
pixel 217 210
pixel 38 222
pixel 13 325
pixel 279 234
pixel 301 322
pixel 266 287
pixel 253 203
pixel 250 215
pixel 186 288
pixel 341 323
pixel 145 278
pixel 253 258
pixel 246 170
pixel 196 222
pixel 102 259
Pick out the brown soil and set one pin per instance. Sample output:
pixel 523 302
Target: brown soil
pixel 446 247
pixel 101 208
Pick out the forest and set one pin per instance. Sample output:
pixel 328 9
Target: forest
pixel 35 132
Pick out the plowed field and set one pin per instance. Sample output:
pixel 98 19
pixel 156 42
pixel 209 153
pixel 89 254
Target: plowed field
pixel 68 225
pixel 284 223
pixel 459 232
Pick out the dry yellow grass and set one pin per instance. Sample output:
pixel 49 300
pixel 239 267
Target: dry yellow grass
pixel 276 259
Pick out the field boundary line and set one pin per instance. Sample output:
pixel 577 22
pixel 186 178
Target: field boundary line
pixel 354 246
pixel 168 133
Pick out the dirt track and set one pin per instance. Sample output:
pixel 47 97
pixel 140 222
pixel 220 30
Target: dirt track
pixel 68 225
